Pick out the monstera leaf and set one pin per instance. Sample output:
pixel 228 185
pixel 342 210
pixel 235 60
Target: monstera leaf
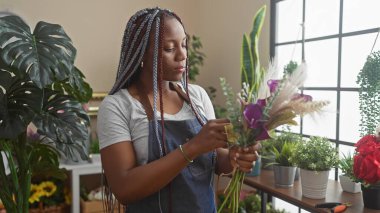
pixel 63 121
pixel 46 55
pixel 20 99
pixel 75 86
pixel 44 162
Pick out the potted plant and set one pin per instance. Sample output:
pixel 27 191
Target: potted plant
pixel 94 151
pixel 367 148
pixel 315 157
pixel 368 80
pixel 267 156
pixel 284 169
pixel 346 164
pixel 39 87
pixel 366 168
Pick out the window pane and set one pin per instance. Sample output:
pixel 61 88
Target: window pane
pixel 323 124
pixel 360 15
pixel 349 117
pixel 289 19
pixel 286 53
pixel 322 60
pixel 355 50
pixel 321 18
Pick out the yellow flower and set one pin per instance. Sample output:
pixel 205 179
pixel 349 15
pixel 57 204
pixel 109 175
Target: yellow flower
pixel 67 194
pixel 35 193
pixel 48 187
pixel 232 137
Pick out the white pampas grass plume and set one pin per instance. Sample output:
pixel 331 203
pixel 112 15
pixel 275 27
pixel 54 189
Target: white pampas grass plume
pixel 272 73
pixel 289 87
pixel 301 107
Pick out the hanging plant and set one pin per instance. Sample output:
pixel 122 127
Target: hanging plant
pixel 369 95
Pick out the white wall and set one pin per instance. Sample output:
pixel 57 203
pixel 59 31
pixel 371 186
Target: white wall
pixel 96 28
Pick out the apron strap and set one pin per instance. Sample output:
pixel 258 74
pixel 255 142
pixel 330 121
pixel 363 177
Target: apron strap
pixel 146 103
pixel 180 92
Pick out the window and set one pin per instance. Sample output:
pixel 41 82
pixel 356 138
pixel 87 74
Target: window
pixel 334 37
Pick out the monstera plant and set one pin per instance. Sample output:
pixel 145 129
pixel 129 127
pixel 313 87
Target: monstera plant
pixel 39 86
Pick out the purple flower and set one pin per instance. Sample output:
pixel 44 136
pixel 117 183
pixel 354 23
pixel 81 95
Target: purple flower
pixel 304 97
pixel 253 114
pixel 273 84
pixel 32 135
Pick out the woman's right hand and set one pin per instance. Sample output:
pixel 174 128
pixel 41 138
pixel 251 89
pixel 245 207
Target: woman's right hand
pixel 211 136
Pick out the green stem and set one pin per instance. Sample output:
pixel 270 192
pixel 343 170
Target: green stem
pixel 233 192
pixel 6 191
pixel 24 171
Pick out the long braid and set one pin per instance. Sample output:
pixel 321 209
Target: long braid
pixel 160 75
pixel 127 34
pixel 156 86
pixel 142 46
pixel 185 81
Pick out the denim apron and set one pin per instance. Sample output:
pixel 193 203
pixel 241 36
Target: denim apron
pixel 192 189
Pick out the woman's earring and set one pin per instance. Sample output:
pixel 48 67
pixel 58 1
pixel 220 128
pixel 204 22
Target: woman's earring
pixel 142 64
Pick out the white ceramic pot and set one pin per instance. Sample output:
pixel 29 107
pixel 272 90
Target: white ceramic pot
pixel 95 158
pixel 348 185
pixel 314 183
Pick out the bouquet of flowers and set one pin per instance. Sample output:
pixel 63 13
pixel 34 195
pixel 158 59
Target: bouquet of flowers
pixel 367 159
pixel 264 103
pixel 275 103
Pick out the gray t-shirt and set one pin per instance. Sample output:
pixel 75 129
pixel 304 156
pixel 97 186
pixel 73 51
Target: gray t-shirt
pixel 122 118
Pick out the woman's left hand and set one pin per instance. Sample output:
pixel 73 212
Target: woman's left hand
pixel 243 158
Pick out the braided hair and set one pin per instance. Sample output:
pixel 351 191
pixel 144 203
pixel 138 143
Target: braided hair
pixel 134 45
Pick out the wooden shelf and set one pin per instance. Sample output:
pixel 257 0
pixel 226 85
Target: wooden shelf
pixel 293 195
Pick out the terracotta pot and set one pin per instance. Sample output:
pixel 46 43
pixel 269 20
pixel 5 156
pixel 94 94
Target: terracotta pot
pixel 51 209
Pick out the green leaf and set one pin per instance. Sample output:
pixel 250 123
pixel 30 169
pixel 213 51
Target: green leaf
pixel 246 61
pixel 44 162
pixel 251 71
pixel 64 121
pixel 19 100
pixel 195 56
pixel 258 21
pixel 46 55
pixel 75 86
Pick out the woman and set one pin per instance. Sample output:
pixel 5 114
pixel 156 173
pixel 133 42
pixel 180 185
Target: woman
pixel 160 142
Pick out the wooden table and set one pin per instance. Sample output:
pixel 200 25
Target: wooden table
pixel 265 183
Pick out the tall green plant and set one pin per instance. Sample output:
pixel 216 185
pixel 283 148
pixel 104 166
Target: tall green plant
pixel 39 84
pixel 251 71
pixel 369 95
pixel 196 56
